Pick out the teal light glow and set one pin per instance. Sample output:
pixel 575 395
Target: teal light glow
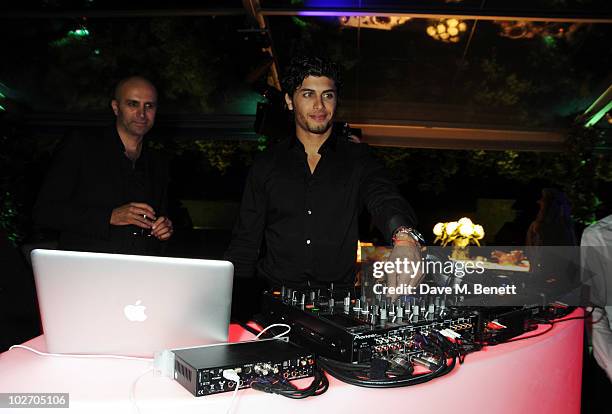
pixel 79 33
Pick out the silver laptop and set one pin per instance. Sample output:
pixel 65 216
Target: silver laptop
pixel 98 303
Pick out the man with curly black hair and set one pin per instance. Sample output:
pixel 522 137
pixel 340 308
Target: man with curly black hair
pixel 303 196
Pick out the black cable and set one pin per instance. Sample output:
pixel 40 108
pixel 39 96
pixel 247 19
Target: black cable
pixel 436 344
pixel 281 386
pixel 590 313
pixel 544 321
pixel 465 347
pixel 552 324
pixel 525 337
pixel 400 381
pixel 587 314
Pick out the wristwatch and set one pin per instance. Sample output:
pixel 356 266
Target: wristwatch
pixel 407 233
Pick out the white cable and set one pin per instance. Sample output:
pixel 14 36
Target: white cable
pixel 229 410
pixel 232 375
pixel 78 355
pixel 284 325
pixel 133 390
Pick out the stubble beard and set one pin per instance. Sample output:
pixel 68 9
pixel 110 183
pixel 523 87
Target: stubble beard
pixel 319 129
pixel 315 128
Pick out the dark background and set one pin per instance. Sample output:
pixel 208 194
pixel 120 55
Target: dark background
pixel 212 75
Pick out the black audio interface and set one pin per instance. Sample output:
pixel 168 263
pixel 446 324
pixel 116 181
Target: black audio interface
pixel 200 370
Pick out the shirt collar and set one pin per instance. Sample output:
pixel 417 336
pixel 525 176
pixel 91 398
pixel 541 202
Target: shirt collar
pixel 113 135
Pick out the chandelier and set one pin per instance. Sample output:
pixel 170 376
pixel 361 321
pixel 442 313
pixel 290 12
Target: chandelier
pixel 373 22
pixel 446 30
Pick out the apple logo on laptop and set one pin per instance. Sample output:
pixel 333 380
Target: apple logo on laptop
pixel 135 312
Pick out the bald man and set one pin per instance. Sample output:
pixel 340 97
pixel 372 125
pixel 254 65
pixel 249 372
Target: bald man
pixel 106 191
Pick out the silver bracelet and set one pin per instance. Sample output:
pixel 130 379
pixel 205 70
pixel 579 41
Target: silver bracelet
pixel 415 235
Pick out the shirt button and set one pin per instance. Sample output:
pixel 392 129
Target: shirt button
pixel 308 241
pixel 309 212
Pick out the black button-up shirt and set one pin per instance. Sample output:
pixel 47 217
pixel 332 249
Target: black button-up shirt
pixel 308 222
pixel 89 177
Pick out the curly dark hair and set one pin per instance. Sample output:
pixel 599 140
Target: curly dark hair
pixel 303 66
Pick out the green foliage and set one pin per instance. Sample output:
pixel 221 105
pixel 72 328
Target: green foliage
pixel 262 143
pixel 220 154
pixel 187 58
pixel 189 66
pixel 579 171
pixel 427 169
pixel 585 171
pixel 499 86
pixel 217 155
pixel 19 157
pixel 9 217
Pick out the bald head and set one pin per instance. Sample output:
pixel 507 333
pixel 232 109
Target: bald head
pixel 132 81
